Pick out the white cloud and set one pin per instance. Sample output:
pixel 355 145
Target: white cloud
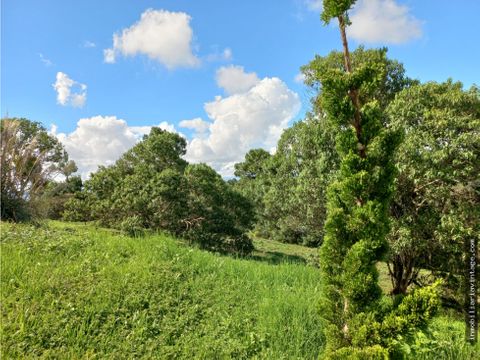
pixel 145 130
pixel 162 35
pixel 198 125
pixel 383 21
pixel 299 78
pixel 44 60
pixel 234 80
pixel 65 96
pixel 379 21
pixel 101 140
pixel 254 118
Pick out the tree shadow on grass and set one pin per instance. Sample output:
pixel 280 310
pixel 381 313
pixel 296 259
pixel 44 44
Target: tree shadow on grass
pixel 276 257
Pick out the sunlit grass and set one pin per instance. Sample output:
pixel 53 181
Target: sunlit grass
pixel 76 291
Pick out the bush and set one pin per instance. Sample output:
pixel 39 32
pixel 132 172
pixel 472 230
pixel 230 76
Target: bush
pixel 241 244
pixel 132 226
pixel 375 352
pixel 15 209
pixel 77 209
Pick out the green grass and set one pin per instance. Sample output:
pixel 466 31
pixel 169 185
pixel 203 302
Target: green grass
pixel 443 340
pixel 72 291
pixel 276 252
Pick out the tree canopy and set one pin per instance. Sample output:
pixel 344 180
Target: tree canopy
pixel 152 187
pixel 29 158
pixel 437 204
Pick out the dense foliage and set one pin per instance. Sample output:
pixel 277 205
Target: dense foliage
pixel 438 155
pixel 253 181
pixel 393 81
pixel 152 187
pixel 437 204
pixel 289 188
pixel 56 193
pixel 360 322
pixel 29 159
pixel 300 171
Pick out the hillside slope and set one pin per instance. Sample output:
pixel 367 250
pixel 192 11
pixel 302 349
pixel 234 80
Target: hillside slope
pixel 75 291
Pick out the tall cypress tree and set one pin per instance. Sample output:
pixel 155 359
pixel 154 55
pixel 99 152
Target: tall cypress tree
pixel 357 209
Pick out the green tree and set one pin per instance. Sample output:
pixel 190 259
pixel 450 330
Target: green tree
pixel 360 322
pixel 289 189
pixel 127 188
pixel 29 158
pixel 437 205
pixel 152 187
pixel 253 182
pixel 218 217
pixel 300 170
pixel 57 193
pixel 393 81
pixel 254 165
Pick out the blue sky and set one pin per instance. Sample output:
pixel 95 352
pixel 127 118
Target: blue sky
pixel 227 69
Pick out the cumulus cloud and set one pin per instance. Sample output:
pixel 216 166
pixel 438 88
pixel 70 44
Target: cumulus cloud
pixel 69 92
pixel 101 140
pixel 379 21
pixel 161 35
pixel 198 125
pixel 234 80
pixel 237 123
pixel 145 130
pixel 383 21
pixel 254 118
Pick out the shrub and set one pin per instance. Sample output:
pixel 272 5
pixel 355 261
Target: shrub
pixel 132 226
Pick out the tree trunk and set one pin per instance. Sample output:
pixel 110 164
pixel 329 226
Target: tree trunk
pixel 402 273
pixel 352 93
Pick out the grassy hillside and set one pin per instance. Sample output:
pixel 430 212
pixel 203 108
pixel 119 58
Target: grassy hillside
pixel 74 291
pixel 71 291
